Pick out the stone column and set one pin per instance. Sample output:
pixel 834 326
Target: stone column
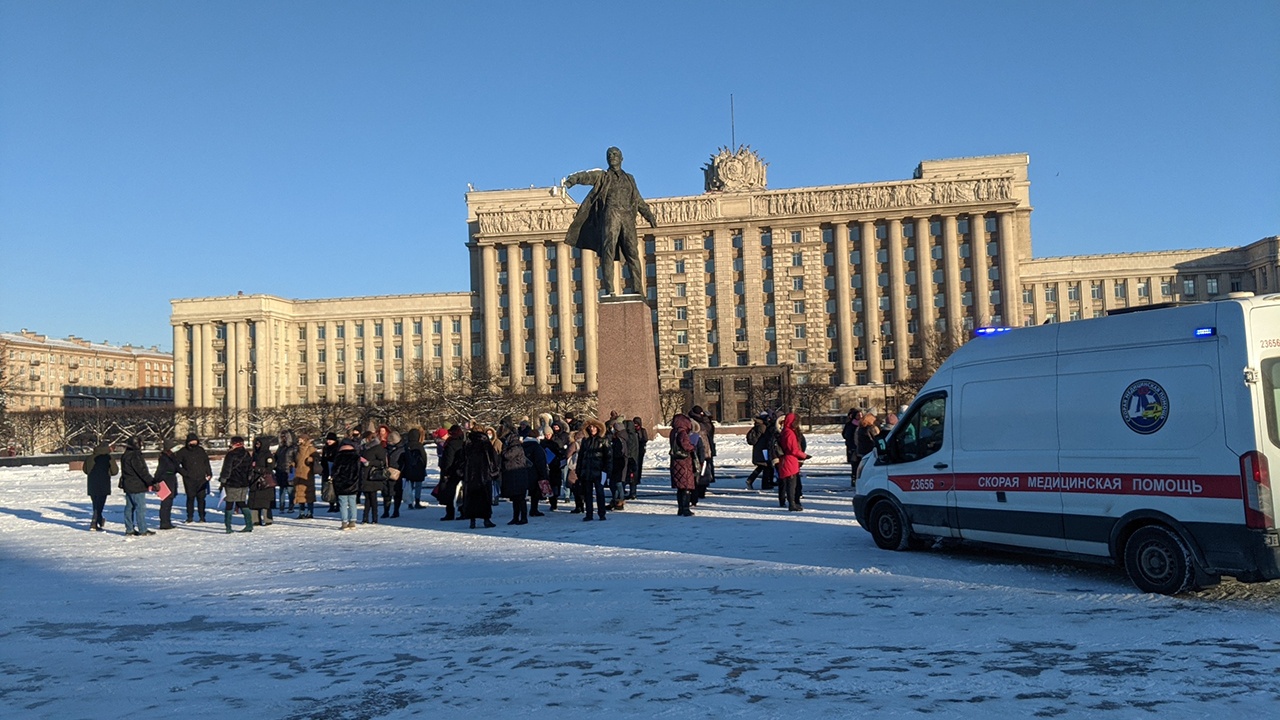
pixel 199 376
pixel 1010 273
pixel 590 318
pixel 1039 304
pixel 924 278
pixel 871 303
pixel 207 356
pixel 268 344
pixel 954 290
pixel 515 310
pixel 898 297
pixel 181 354
pixel 489 304
pixel 240 373
pixel 981 266
pixel 844 301
pixel 541 362
pixel 564 310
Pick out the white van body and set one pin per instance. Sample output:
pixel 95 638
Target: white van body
pixel 1144 437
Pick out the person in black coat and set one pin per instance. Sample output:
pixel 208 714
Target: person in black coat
pixel 135 480
pixel 347 476
pixel 708 434
pixel 328 453
pixel 619 462
pixel 235 479
pixel 374 477
pixel 262 491
pixel 555 453
pixel 595 457
pixel 479 471
pixel 850 434
pixel 167 473
pixel 393 495
pixel 642 443
pixel 451 471
pixel 413 466
pixel 196 472
pixel 761 438
pixel 100 467
pixel 519 476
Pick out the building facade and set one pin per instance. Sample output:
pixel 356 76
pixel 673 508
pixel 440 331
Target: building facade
pixel 844 285
pixel 247 352
pixel 42 373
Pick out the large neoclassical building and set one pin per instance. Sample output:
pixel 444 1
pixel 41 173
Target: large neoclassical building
pixel 842 284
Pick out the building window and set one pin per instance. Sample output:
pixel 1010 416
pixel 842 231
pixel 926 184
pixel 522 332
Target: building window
pixel 321 379
pixel 796 236
pixel 1028 294
pixel 398 327
pixel 1189 287
pixel 1095 289
pixel 677 244
pixel 342 377
pixel 1144 288
pixel 457 349
pixel 417 327
pixel 377 329
pixel 682 337
pixel 359 377
pixel 457 327
pixel 800 332
pixel 437 350
pixel 436 326
pixel 682 313
pixel 1211 286
pixel 342 354
pixel 1166 287
pixel 399 352
pixel 378 377
pixel 320 355
pixel 682 361
pixel 340 330
pixel 797 307
pixel 797 259
pixel 740 334
pixel 797 282
pixel 1051 293
pixel 359 354
pixel 682 290
pixel 1073 291
pixel 1121 291
pixel 417 352
pixel 680 267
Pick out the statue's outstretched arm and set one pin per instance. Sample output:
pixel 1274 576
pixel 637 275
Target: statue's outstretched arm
pixel 586 177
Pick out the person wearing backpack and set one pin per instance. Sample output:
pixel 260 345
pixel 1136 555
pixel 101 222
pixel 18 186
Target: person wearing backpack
pixel 413 466
pixel 523 464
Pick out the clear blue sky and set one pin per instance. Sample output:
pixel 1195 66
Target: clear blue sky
pixel 152 150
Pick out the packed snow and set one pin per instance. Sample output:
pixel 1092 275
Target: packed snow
pixel 745 610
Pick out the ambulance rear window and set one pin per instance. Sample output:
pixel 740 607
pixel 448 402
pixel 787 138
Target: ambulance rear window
pixel 1271 397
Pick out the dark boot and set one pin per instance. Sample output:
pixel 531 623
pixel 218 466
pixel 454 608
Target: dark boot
pixel 248 521
pixel 226 517
pixel 489 523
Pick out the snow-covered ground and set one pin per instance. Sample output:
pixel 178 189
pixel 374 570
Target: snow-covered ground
pixel 743 611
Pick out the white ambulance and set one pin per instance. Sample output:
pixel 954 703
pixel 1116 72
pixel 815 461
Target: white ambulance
pixel 1143 437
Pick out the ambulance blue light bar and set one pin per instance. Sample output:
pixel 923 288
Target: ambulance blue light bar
pixel 991 331
pixel 1206 332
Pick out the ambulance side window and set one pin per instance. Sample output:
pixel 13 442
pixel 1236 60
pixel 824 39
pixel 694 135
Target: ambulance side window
pixel 1271 397
pixel 920 434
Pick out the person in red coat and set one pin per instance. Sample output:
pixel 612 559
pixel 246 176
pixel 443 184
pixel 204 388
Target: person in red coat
pixel 791 457
pixel 683 476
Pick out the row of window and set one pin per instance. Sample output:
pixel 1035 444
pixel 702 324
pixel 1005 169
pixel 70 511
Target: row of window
pixel 1120 289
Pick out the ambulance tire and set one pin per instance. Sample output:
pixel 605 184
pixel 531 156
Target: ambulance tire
pixel 1159 561
pixel 888 526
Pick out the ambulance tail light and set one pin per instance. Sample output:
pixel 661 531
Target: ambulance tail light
pixel 1259 514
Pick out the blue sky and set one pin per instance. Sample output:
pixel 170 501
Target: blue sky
pixel 153 150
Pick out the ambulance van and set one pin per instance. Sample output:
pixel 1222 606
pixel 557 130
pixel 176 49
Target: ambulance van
pixel 1143 437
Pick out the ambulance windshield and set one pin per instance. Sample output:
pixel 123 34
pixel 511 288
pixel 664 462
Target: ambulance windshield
pixel 1271 397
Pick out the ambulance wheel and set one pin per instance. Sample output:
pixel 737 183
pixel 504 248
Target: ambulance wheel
pixel 888 527
pixel 1158 561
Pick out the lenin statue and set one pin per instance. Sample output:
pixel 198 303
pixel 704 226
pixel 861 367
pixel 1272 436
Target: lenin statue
pixel 606 221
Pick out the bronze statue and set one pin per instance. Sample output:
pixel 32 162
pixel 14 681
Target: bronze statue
pixel 606 221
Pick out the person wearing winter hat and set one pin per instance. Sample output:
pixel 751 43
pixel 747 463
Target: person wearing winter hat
pixel 167 473
pixel 196 472
pixel 328 454
pixel 235 479
pixel 135 480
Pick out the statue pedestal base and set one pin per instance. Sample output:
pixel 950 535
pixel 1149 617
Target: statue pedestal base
pixel 627 378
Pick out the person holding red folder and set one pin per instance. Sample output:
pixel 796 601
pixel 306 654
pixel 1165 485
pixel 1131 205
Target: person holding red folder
pixel 167 483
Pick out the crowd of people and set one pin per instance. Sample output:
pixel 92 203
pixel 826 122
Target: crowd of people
pixel 526 463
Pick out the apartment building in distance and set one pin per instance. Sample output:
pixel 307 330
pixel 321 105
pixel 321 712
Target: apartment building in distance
pixel 42 373
pixel 843 285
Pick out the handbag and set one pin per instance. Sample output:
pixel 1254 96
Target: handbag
pixel 393 473
pixel 437 492
pixel 545 487
pixel 327 492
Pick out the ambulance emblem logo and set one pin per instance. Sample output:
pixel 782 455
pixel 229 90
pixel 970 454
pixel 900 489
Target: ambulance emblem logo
pixel 1144 407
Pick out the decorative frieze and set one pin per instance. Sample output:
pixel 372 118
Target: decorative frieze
pixel 883 196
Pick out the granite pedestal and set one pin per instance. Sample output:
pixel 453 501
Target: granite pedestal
pixel 627 378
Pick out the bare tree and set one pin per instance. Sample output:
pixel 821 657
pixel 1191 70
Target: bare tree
pixel 811 399
pixel 35 431
pixel 934 348
pixel 672 401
